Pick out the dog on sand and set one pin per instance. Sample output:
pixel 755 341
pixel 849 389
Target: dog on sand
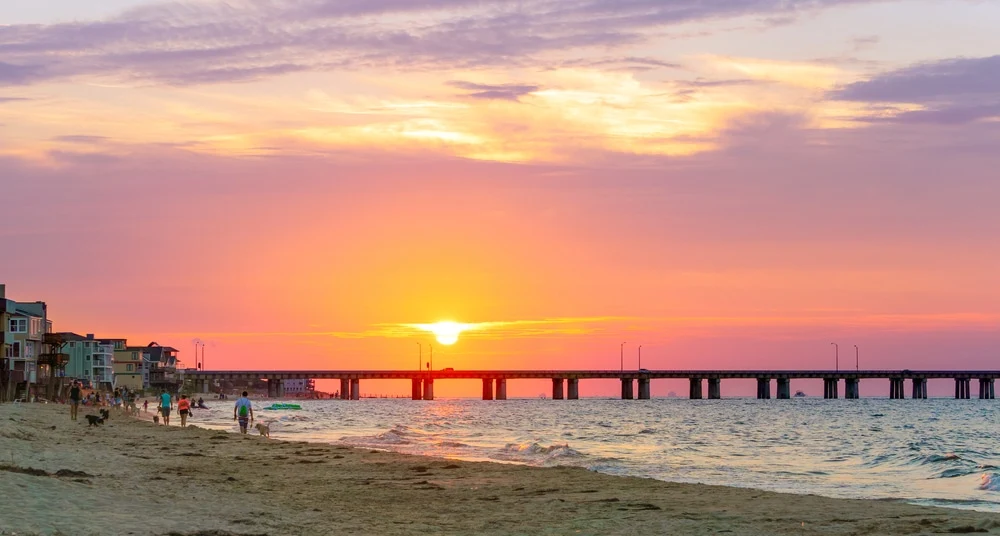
pixel 94 420
pixel 105 414
pixel 156 419
pixel 263 429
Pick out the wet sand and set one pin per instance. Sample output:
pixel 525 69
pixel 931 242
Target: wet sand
pixel 133 477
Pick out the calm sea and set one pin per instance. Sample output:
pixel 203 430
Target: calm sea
pixel 943 452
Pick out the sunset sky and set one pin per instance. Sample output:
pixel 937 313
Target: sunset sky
pixel 300 183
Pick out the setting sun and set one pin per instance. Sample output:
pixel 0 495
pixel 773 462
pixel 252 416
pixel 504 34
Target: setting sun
pixel 446 332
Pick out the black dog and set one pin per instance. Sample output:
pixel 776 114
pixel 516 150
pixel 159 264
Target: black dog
pixel 94 420
pixel 105 414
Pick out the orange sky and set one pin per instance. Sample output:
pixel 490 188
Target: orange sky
pixel 731 185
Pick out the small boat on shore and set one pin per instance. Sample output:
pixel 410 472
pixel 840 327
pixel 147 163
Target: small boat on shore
pixel 282 405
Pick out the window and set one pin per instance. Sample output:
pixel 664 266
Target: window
pixel 135 356
pixel 36 326
pixel 13 350
pixel 72 345
pixel 128 368
pixel 18 325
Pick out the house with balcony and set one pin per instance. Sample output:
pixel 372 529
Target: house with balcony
pixel 127 364
pixel 6 341
pixel 90 360
pixel 25 325
pixel 160 367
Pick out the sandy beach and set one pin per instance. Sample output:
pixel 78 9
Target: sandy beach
pixel 133 477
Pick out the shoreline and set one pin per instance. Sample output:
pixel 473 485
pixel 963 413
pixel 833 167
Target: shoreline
pixel 133 477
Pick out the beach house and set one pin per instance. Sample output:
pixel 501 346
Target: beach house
pixel 90 360
pixel 160 367
pixel 25 326
pixel 127 365
pixel 6 341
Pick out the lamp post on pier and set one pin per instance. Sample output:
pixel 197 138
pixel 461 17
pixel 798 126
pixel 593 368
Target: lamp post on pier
pixel 640 357
pixel 622 352
pixel 836 354
pixel 420 354
pixel 857 358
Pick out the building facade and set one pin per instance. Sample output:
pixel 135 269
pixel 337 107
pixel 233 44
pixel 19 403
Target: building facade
pixel 160 367
pixel 128 371
pixel 25 326
pixel 299 386
pixel 90 360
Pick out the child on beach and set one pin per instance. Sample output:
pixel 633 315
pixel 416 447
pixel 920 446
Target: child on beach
pixel 243 411
pixel 184 408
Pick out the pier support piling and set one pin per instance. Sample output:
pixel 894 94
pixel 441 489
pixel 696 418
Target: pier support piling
pixel 695 393
pixel 896 388
pixel 355 389
pixel 429 388
pixel 962 388
pixel 487 388
pixel 557 388
pixel 573 388
pixel 281 388
pixel 627 389
pixel 830 388
pixel 763 388
pixel 851 390
pixel 345 389
pixel 714 388
pixel 417 392
pixel 784 388
pixel 986 388
pixel 919 388
pixel 643 388
pixel 501 388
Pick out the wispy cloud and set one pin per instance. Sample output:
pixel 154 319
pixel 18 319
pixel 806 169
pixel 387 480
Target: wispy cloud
pixel 214 41
pixel 953 91
pixel 511 92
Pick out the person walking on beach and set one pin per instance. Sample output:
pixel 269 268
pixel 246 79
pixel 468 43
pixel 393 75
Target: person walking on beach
pixel 145 406
pixel 74 401
pixel 243 411
pixel 165 407
pixel 184 408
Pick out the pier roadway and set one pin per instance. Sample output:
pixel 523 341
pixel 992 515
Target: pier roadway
pixel 566 383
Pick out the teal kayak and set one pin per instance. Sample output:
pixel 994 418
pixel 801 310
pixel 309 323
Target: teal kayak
pixel 279 405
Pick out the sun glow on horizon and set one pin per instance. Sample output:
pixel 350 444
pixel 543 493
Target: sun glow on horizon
pixel 446 332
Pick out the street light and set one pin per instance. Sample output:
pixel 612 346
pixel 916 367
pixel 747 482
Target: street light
pixel 857 358
pixel 622 351
pixel 836 350
pixel 640 357
pixel 420 354
pixel 431 346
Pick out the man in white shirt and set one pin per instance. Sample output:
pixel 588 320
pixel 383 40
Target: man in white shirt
pixel 243 411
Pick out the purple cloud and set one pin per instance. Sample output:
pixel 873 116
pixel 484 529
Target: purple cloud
pixel 510 92
pixel 953 91
pixel 928 81
pixel 206 42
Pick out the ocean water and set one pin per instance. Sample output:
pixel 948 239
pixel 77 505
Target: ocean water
pixel 942 452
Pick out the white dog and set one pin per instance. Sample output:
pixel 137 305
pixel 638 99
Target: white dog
pixel 263 429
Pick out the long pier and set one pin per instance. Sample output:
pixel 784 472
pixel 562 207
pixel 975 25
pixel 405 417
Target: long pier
pixel 566 383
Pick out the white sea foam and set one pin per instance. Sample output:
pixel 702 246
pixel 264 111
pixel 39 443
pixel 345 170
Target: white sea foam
pixel 859 448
